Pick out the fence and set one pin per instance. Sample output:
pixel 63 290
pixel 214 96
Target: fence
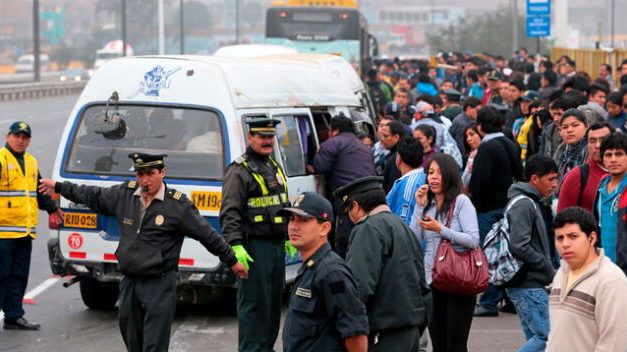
pixel 39 90
pixel 589 60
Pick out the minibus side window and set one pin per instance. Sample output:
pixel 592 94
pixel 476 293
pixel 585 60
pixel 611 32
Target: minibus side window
pixel 291 143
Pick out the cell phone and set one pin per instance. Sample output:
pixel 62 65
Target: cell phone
pixel 424 218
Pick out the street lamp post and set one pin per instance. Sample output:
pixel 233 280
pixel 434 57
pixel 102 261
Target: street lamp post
pixel 123 27
pixel 182 23
pixel 236 21
pixel 36 49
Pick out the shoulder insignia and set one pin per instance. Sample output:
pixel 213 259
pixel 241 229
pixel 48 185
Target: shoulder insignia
pixel 240 159
pixel 132 184
pixel 177 195
pixel 174 194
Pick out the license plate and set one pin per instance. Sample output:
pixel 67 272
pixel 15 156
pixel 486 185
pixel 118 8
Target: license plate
pixel 80 220
pixel 207 200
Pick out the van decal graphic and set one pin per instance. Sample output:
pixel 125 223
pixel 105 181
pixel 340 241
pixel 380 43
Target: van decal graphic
pixel 156 79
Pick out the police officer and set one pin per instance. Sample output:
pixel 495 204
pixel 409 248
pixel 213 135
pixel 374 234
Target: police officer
pixel 325 312
pixel 386 260
pixel 19 203
pixel 154 219
pixel 253 192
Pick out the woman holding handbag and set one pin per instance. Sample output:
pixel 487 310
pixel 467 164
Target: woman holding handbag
pixel 444 218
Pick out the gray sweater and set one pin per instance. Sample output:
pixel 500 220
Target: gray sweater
pixel 463 232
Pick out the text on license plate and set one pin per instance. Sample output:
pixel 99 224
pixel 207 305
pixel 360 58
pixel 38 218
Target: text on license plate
pixel 82 220
pixel 207 200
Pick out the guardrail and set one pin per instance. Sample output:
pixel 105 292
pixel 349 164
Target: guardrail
pixel 21 91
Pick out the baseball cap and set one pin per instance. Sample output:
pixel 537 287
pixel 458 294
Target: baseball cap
pixel 19 127
pixel 530 95
pixel 310 205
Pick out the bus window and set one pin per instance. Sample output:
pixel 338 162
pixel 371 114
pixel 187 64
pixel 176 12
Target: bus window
pixel 293 143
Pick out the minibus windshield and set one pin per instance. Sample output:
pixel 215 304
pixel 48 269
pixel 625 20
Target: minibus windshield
pixel 192 139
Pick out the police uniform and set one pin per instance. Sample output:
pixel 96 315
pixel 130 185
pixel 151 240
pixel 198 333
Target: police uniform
pixel 19 205
pixel 148 253
pixel 324 305
pixel 386 260
pixel 254 190
pixel 454 109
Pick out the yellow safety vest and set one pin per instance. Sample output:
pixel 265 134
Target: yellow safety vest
pixel 18 196
pixel 266 200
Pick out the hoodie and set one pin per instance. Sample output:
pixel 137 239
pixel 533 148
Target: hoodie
pixel 529 240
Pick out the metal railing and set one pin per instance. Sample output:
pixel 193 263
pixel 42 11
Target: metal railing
pixel 19 91
pixel 589 60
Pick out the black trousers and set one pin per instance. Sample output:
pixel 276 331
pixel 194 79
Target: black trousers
pixel 396 340
pixel 450 323
pixel 259 296
pixel 146 312
pixel 14 268
pixel 342 232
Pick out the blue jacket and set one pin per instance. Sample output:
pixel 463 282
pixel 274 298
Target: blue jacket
pixel 401 198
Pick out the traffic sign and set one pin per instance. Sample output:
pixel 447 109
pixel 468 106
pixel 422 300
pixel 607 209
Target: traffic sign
pixel 538 7
pixel 538 26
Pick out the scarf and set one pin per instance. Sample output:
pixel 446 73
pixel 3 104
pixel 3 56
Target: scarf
pixel 573 155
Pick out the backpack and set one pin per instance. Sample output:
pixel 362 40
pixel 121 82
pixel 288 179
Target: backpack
pixel 502 264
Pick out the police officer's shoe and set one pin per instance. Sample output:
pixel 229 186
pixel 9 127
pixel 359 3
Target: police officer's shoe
pixel 20 324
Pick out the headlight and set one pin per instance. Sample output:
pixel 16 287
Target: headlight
pixel 77 78
pixel 62 78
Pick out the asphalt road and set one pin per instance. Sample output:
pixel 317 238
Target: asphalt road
pixel 67 325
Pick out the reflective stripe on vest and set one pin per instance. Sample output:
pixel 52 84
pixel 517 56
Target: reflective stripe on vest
pixel 18 196
pixel 262 182
pixel 267 201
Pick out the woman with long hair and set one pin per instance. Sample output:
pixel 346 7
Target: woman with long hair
pixel 433 221
pixel 472 139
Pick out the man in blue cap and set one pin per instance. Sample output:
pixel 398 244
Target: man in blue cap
pixel 324 299
pixel 19 202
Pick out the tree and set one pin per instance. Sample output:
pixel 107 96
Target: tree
pixel 489 33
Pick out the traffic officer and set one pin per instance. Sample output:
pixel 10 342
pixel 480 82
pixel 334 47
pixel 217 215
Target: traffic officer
pixel 253 192
pixel 153 219
pixel 325 312
pixel 386 260
pixel 19 202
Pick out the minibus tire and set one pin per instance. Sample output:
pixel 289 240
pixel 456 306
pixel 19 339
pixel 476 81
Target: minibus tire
pixel 98 295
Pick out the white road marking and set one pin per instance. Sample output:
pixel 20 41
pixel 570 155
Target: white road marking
pixel 41 288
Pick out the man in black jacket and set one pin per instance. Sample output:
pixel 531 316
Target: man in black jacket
pixel 389 136
pixel 343 158
pixel 496 166
pixel 154 219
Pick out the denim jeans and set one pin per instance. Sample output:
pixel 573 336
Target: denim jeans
pixel 491 298
pixel 532 306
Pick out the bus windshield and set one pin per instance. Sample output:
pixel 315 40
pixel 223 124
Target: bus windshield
pixel 312 24
pixel 191 138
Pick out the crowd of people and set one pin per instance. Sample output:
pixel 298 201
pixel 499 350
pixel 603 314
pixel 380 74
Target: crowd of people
pixel 479 138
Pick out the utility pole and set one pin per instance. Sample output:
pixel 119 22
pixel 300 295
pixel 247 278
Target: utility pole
pixel 514 5
pixel 161 28
pixel 612 8
pixel 36 49
pixel 182 23
pixel 236 21
pixel 123 27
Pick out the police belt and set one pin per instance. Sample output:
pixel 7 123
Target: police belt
pixel 267 201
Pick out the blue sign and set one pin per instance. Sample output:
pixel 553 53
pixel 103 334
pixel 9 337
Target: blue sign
pixel 538 26
pixel 538 7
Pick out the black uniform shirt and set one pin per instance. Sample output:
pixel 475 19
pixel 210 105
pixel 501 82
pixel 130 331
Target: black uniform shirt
pixel 151 238
pixel 324 306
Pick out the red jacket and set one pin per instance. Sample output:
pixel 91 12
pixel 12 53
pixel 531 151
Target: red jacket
pixel 569 192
